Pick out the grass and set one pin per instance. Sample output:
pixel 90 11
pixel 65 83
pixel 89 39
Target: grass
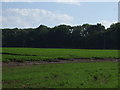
pixel 35 54
pixel 67 75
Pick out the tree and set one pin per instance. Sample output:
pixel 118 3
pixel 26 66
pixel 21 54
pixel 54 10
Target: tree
pixel 64 36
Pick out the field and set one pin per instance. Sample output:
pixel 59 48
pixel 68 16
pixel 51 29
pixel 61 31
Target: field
pixel 65 75
pixel 36 54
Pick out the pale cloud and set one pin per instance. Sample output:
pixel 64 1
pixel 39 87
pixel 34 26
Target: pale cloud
pixel 107 23
pixel 33 18
pixel 67 1
pixel 16 0
pixel 72 2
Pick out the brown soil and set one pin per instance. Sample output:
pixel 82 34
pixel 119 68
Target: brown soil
pixel 56 62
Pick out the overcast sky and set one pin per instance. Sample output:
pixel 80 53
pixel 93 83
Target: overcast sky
pixel 33 14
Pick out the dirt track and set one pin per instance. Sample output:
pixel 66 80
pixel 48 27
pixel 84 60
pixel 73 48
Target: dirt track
pixel 56 62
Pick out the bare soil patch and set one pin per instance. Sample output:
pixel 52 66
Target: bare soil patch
pixel 56 62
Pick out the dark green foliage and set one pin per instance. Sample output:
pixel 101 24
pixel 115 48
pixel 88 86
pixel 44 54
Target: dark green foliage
pixel 64 36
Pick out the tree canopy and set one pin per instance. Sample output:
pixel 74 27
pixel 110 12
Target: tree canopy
pixel 84 36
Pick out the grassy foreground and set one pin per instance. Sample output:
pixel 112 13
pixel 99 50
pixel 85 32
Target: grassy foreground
pixel 35 54
pixel 67 75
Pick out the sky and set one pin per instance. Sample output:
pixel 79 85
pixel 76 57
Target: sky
pixel 33 14
pixel 119 12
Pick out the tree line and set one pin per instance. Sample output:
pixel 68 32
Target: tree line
pixel 84 36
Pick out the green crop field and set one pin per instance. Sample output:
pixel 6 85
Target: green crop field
pixel 67 75
pixel 35 54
